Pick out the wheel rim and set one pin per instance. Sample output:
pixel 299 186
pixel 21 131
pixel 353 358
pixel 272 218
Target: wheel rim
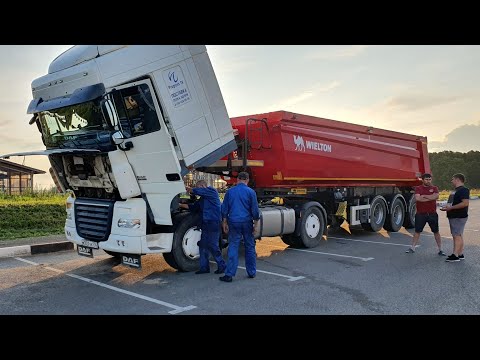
pixel 312 226
pixel 189 243
pixel 378 214
pixel 413 211
pixel 398 215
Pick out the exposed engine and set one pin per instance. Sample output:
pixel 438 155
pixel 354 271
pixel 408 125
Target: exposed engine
pixel 87 175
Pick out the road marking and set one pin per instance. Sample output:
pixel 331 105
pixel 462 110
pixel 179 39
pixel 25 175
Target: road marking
pixel 323 253
pixel 290 278
pixel 369 241
pixel 176 309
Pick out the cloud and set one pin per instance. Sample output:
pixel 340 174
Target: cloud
pixel 231 59
pixel 296 99
pixel 464 138
pixel 332 53
pixel 413 102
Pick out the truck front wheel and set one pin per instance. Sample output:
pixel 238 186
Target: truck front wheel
pixel 185 255
pixel 312 227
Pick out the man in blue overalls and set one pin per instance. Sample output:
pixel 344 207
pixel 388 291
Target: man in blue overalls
pixel 240 217
pixel 210 210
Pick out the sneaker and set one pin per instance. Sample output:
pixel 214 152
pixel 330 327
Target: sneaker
pixel 452 258
pixel 225 278
pixel 461 257
pixel 441 253
pixel 410 251
pixel 251 276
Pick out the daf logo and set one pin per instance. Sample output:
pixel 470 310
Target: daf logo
pixel 130 261
pixel 299 144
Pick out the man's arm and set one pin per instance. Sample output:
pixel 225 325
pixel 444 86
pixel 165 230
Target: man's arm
pixel 421 198
pixel 205 192
pixel 225 210
pixel 431 197
pixel 461 205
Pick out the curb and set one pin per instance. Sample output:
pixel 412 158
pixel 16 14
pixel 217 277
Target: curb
pixel 35 249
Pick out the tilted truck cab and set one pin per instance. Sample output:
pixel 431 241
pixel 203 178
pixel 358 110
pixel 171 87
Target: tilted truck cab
pixel 163 107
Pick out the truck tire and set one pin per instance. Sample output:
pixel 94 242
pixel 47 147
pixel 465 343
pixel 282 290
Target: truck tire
pixel 312 227
pixel 292 240
pixel 378 214
pixel 409 222
pixel 396 217
pixel 185 255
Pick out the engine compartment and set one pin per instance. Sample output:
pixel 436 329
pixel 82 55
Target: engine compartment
pixel 88 176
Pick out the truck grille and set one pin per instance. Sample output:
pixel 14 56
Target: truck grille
pixel 93 218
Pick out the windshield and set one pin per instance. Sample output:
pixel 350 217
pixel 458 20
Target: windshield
pixel 71 126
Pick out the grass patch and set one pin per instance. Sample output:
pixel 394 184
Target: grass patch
pixel 31 215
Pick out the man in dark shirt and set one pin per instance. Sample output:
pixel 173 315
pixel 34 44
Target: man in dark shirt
pixel 426 196
pixel 457 214
pixel 240 217
pixel 210 209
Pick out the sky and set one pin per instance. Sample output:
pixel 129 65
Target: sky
pixel 430 90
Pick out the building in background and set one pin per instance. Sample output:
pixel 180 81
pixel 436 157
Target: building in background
pixel 212 180
pixel 15 178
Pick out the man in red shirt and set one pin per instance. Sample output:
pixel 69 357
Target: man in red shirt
pixel 426 196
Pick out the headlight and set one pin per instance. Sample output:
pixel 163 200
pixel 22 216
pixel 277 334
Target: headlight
pixel 129 223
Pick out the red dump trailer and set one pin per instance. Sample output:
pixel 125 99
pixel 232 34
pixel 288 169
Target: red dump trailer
pixel 311 173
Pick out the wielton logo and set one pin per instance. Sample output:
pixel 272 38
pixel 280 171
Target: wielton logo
pixel 299 144
pixel 172 77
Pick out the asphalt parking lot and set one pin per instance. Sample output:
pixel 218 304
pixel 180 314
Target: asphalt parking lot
pixel 363 273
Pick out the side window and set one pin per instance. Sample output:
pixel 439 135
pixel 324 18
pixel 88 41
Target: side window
pixel 136 112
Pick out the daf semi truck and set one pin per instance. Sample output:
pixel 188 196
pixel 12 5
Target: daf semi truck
pixel 122 125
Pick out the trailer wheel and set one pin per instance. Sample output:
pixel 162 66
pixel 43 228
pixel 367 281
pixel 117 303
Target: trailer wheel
pixel 312 227
pixel 409 222
pixel 185 255
pixel 396 217
pixel 378 213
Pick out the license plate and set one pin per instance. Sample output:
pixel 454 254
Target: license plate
pixel 132 260
pixel 90 244
pixel 85 251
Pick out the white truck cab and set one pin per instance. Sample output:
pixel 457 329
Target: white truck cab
pixel 122 125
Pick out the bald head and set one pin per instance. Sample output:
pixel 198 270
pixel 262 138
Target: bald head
pixel 201 184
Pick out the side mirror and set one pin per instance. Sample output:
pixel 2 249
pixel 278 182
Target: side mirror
pixel 109 112
pixel 118 138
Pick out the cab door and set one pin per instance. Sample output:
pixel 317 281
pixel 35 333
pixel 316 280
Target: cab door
pixel 151 152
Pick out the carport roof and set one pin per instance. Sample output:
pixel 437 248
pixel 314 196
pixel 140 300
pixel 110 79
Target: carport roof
pixel 13 167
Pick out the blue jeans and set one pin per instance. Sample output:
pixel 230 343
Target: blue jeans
pixel 208 244
pixel 235 233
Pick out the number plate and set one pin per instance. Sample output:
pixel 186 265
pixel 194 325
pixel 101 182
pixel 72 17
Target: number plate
pixel 85 251
pixel 90 244
pixel 132 260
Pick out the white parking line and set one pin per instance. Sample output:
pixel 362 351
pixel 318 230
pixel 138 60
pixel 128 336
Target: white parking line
pixel 369 241
pixel 176 309
pixel 322 253
pixel 290 278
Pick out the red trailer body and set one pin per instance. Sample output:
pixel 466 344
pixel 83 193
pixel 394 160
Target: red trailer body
pixel 301 150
